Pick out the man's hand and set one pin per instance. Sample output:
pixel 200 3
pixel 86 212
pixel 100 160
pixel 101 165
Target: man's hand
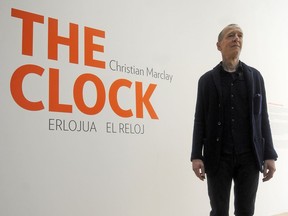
pixel 269 169
pixel 198 168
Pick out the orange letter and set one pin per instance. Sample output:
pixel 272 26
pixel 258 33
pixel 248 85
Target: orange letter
pixel 16 87
pixel 54 40
pixel 113 97
pixel 78 94
pixel 27 28
pixel 90 47
pixel 54 105
pixel 144 100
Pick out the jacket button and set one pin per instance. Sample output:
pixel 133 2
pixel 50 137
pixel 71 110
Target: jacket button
pixel 217 139
pixel 219 123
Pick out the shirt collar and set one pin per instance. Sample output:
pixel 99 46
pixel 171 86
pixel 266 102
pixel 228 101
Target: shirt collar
pixel 238 70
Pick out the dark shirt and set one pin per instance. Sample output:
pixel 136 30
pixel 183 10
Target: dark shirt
pixel 236 131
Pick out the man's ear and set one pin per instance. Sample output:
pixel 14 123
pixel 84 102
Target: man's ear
pixel 218 46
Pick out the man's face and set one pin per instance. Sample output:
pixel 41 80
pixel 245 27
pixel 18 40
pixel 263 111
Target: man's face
pixel 231 43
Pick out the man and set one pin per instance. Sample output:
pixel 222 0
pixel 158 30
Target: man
pixel 232 138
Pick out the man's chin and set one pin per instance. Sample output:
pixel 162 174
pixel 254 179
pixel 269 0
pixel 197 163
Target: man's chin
pixel 234 55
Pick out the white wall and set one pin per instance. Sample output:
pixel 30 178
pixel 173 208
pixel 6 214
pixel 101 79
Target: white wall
pixel 52 172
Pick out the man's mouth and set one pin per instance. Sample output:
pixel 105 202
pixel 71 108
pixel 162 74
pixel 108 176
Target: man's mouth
pixel 235 45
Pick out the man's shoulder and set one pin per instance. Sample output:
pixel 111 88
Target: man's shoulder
pixel 252 72
pixel 210 73
pixel 250 68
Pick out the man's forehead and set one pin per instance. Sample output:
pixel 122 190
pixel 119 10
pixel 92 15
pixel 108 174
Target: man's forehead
pixel 230 29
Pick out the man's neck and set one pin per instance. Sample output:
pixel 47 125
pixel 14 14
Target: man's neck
pixel 230 65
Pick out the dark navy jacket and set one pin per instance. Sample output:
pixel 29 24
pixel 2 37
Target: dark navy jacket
pixel 208 127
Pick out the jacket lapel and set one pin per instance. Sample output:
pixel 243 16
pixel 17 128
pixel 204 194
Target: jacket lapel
pixel 217 80
pixel 248 76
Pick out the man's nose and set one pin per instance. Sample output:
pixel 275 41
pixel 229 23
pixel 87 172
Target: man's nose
pixel 236 38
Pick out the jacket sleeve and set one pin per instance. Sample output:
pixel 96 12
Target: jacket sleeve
pixel 269 151
pixel 199 123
